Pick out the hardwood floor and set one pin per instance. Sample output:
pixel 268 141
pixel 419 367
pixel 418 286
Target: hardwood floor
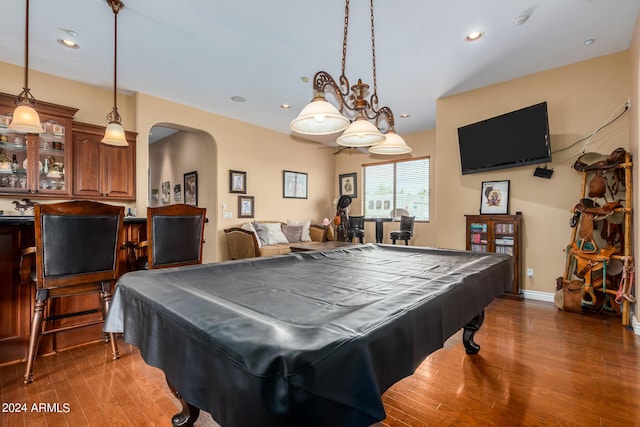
pixel 537 367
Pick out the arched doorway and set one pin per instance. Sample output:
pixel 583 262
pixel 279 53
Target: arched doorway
pixel 177 154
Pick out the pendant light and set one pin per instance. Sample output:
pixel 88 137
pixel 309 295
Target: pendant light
pixel 25 117
pixel 114 134
pixel 321 118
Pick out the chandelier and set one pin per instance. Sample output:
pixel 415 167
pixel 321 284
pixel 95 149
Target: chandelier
pixel 357 117
pixel 25 117
pixel 114 134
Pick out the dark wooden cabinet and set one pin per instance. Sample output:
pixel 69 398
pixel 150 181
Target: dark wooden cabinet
pixel 500 234
pixel 102 171
pixel 14 299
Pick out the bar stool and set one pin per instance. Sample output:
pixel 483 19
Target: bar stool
pixel 406 230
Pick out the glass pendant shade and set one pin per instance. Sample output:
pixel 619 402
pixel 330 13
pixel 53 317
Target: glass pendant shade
pixel 361 133
pixel 114 135
pixel 26 120
pixel 319 117
pixel 394 144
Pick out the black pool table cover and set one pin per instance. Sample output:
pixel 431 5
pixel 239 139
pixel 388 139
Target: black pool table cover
pixel 310 338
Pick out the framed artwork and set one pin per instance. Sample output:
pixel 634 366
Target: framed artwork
pixel 494 198
pixel 155 194
pixel 191 188
pixel 245 207
pixel 237 182
pixel 349 185
pixel 166 191
pixel 294 185
pixel 177 192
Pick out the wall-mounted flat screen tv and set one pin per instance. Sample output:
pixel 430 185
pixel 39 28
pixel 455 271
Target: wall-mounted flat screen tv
pixel 510 140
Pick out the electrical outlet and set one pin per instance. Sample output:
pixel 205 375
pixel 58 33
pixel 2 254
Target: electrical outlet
pixel 529 272
pixel 227 215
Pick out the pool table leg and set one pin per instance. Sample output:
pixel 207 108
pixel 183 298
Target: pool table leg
pixel 189 413
pixel 470 330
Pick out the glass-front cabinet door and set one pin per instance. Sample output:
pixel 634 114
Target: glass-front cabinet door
pixel 32 164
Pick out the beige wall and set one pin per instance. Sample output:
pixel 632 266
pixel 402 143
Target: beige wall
pixel 581 97
pixel 235 145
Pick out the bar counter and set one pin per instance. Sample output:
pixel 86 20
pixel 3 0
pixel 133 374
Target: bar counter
pixel 16 233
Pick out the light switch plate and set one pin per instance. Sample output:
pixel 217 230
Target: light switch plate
pixel 227 215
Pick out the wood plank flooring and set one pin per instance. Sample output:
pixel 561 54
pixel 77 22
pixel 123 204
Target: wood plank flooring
pixel 537 367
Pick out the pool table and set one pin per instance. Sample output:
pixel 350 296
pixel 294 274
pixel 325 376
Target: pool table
pixel 309 338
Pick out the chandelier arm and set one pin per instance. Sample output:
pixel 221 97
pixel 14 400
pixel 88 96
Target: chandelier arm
pixel 385 113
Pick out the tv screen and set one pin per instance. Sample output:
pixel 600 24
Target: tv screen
pixel 510 140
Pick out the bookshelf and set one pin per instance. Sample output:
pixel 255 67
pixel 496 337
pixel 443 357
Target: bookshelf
pixel 499 234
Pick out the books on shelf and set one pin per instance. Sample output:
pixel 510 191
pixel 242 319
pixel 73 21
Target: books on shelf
pixel 503 228
pixel 479 248
pixel 505 240
pixel 504 250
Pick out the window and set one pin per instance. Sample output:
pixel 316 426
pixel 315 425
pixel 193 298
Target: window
pixel 400 187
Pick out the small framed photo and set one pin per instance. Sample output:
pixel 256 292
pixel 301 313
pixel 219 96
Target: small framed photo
pixel 166 192
pixel 294 185
pixel 349 185
pixel 494 198
pixel 237 182
pixel 245 207
pixel 177 192
pixel 191 188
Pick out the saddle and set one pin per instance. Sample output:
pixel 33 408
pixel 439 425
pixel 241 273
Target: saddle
pixel 596 161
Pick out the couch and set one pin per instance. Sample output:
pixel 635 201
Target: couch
pixel 249 240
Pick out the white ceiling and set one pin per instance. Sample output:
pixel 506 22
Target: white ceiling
pixel 203 52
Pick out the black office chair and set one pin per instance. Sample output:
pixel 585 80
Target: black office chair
pixel 355 229
pixel 406 230
pixel 76 246
pixel 175 235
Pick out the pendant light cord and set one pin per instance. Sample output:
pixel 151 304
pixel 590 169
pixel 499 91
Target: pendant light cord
pixel 26 51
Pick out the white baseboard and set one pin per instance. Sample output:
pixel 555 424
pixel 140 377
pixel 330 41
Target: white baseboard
pixel 548 297
pixel 539 296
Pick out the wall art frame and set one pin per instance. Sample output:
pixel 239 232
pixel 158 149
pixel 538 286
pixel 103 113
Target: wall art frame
pixel 349 185
pixel 294 185
pixel 237 182
pixel 191 188
pixel 246 206
pixel 494 198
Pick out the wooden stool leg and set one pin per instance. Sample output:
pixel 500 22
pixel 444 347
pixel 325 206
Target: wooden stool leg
pixel 36 329
pixel 105 296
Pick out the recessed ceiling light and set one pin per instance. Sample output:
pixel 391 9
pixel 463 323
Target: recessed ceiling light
pixel 238 99
pixel 589 42
pixel 285 106
pixel 404 116
pixel 68 44
pixel 473 36
pixel 304 79
pixel 519 20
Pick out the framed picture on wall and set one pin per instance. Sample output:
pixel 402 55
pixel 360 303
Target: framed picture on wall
pixel 294 185
pixel 494 198
pixel 245 207
pixel 237 182
pixel 177 192
pixel 166 192
pixel 349 185
pixel 191 188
